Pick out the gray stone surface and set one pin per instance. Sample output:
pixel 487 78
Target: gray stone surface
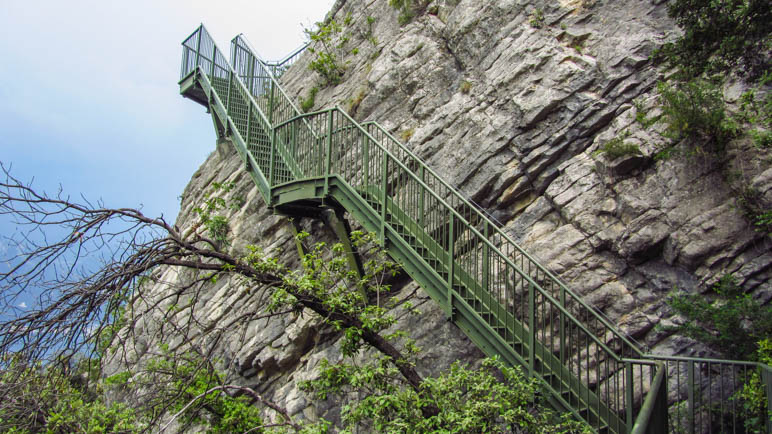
pixel 513 116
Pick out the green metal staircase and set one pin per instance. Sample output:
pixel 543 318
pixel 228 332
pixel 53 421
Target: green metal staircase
pixel 502 298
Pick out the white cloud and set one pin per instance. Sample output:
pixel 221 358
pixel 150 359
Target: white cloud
pixel 22 305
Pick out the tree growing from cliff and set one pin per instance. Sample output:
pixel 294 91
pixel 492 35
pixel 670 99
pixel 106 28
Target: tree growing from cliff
pixel 721 36
pixel 90 269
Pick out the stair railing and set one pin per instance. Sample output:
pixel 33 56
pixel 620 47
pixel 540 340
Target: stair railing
pixel 596 321
pixel 279 67
pixel 625 345
pixel 230 98
pixel 706 395
pixel 519 301
pixel 550 332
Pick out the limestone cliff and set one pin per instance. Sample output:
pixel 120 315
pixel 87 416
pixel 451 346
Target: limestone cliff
pixel 509 100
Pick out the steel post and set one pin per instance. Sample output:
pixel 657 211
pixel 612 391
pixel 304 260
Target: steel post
pixel 384 180
pixel 531 330
pixel 198 45
pixel 328 156
pixel 451 264
pixel 214 57
pixel 421 199
pixel 691 409
pixel 629 385
pixel 270 104
pixel 365 161
pixel 272 162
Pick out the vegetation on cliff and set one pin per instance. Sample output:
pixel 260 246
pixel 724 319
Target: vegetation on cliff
pixel 54 355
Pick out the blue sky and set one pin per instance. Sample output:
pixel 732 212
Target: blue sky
pixel 89 97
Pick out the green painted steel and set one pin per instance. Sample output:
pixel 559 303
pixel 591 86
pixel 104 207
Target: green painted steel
pixel 501 297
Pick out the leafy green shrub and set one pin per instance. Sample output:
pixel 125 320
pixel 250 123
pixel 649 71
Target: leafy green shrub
pixel 758 113
pixel 369 33
pixel 617 147
pixel 217 226
pixel 761 139
pixel 720 36
pixel 537 18
pixel 749 200
pixel 406 10
pixel 753 397
pixel 493 398
pixel 665 154
pixel 308 102
pixel 465 87
pixel 51 400
pixel 327 51
pixel 695 109
pixel 641 116
pixel 188 378
pixel 730 323
pixel 326 64
pixel 764 220
pixel 409 9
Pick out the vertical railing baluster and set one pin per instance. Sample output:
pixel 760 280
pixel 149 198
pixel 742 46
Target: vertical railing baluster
pixel 185 61
pixel 531 329
pixel 690 395
pixel 485 259
pixel 272 163
pixel 629 395
pixel 250 72
pixel 271 103
pixel 214 57
pixel 293 142
pixel 328 155
pixel 765 374
pixel 249 128
pixel 198 46
pixel 421 199
pixel 451 263
pixel 384 180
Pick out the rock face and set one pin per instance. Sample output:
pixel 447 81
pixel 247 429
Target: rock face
pixel 509 100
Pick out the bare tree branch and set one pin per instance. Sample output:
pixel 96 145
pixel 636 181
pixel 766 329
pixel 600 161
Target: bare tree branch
pixel 85 264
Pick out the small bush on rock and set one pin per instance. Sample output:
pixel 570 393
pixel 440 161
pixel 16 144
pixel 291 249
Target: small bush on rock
pixel 695 109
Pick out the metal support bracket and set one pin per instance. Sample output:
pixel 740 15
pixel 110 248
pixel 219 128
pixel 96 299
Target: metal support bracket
pixel 334 220
pixel 220 129
pixel 296 229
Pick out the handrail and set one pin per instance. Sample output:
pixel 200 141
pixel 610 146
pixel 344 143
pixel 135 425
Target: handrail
pixel 480 235
pixel 202 33
pixel 701 360
pixel 476 208
pixel 612 361
pixel 643 421
pixel 289 57
pixel 248 48
pixel 484 239
pixel 274 65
